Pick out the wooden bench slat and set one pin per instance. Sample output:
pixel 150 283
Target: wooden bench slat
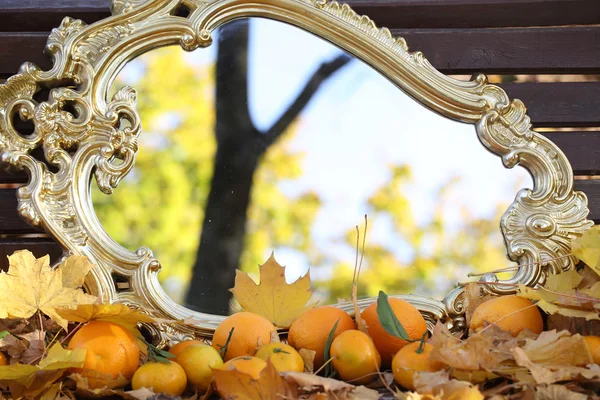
pixel 581 148
pixel 39 247
pixel 592 189
pixel 10 221
pixel 508 50
pixel 559 104
pixel 40 15
pixel 452 51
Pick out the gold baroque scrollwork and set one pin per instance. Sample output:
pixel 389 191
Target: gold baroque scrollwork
pixel 84 134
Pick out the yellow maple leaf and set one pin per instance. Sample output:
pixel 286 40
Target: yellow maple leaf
pixel 117 313
pixel 31 285
pixel 273 298
pixel 587 248
pixel 58 359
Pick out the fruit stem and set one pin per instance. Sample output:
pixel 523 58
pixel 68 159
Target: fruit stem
pixel 422 344
pixel 278 350
pixel 223 351
pixel 323 366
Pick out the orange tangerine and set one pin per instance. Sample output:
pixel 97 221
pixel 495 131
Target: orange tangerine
pixel 168 378
pixel 311 329
pixel 407 361
pixel 510 313
pixel 388 345
pixel 249 332
pixel 355 357
pixel 110 349
pixel 283 357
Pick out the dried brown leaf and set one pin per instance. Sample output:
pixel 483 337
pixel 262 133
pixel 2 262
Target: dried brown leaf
pixel 309 359
pixel 439 384
pixel 233 384
pixel 53 392
pixel 13 346
pixel 35 347
pixel 574 325
pixel 548 374
pixel 558 348
pixel 473 298
pixel 96 382
pixel 474 353
pixel 310 382
pixel 557 392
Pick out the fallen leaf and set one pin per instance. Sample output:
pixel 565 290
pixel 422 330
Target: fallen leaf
pixel 13 346
pixel 473 298
pixel 574 325
pixel 309 359
pixel 587 248
pixel 118 313
pixel 94 382
pixel 557 392
pixel 573 303
pixel 139 394
pixel 35 348
pixel 273 298
pixel 52 392
pixel 363 393
pixel 58 359
pixel 440 386
pixel 474 353
pixel 548 374
pixel 233 384
pixel 558 348
pixel 563 282
pixel 31 285
pixel 328 385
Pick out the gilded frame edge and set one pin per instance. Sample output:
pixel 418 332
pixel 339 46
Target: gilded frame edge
pixel 537 227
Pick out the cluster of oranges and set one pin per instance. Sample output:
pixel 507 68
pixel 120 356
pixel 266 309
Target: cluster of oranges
pixel 243 342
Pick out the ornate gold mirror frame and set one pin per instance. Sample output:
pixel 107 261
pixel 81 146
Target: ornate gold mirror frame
pixel 84 134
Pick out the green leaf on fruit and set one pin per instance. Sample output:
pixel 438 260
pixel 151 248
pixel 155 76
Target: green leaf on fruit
pixel 388 319
pixel 329 371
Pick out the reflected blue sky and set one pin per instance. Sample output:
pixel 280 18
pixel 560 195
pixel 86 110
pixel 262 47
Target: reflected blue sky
pixel 354 129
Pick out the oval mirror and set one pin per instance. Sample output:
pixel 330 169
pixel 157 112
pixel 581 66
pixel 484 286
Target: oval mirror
pixel 274 140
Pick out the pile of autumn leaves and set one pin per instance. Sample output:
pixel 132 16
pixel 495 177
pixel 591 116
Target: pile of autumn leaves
pixel 41 308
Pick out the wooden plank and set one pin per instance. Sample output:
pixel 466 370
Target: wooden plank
pixel 570 50
pixel 38 246
pixel 592 189
pixel 452 51
pixel 560 104
pixel 10 221
pixel 478 13
pixel 19 47
pixel 581 148
pixel 43 15
pixel 17 177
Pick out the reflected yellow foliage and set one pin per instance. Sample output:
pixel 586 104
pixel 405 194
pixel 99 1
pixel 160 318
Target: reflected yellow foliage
pixel 161 203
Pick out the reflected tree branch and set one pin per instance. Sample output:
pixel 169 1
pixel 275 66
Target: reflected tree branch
pixel 326 70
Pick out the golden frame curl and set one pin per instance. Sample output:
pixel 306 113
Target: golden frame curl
pixel 100 139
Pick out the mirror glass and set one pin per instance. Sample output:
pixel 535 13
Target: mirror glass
pixel 273 139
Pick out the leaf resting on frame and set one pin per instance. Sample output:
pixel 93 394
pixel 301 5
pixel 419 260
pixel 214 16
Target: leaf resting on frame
pixel 273 298
pixel 31 285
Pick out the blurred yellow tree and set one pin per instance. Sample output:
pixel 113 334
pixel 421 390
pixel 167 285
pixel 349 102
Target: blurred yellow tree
pixel 160 203
pixel 441 254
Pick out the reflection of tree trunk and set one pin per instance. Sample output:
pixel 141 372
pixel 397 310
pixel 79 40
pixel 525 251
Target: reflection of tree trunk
pixel 239 149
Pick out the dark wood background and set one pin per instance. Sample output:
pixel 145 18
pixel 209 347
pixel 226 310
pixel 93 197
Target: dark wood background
pixel 499 37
